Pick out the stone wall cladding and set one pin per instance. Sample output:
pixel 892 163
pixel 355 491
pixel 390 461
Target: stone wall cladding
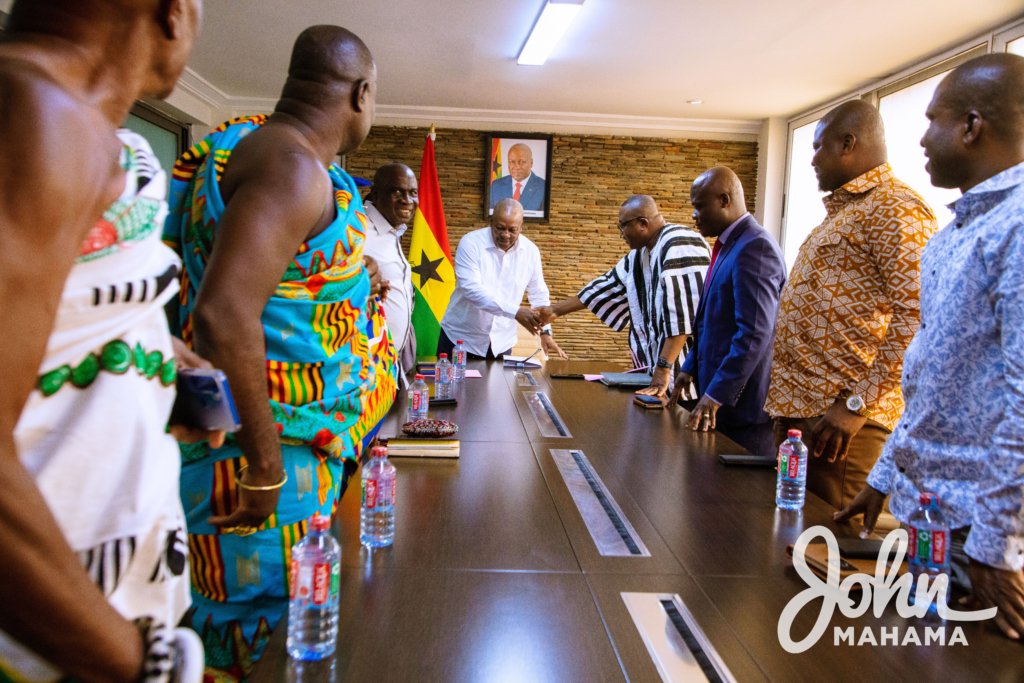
pixel 592 176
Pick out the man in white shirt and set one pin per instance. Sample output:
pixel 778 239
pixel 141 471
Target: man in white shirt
pixel 493 268
pixel 390 207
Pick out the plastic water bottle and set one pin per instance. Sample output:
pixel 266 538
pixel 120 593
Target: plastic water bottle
pixel 792 483
pixel 928 543
pixel 459 356
pixel 377 519
pixel 313 607
pixel 443 377
pixel 419 399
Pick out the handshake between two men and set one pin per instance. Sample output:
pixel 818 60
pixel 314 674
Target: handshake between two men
pixel 535 320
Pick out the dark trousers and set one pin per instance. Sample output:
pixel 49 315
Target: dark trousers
pixel 446 345
pixel 758 439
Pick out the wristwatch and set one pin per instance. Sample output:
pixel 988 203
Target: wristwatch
pixel 855 404
pixel 545 332
pixel 663 363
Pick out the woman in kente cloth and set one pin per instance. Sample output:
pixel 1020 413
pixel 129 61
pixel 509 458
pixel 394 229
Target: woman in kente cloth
pixel 331 374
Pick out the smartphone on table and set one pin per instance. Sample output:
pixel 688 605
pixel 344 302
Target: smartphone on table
pixel 748 460
pixel 650 402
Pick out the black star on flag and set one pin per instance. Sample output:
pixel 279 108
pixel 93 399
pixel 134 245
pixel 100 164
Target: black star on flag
pixel 427 269
pixel 496 166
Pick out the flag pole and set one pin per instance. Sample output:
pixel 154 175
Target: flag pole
pixel 433 133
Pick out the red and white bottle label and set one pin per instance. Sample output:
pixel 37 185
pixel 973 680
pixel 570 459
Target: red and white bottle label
pixel 321 583
pixel 911 543
pixel 460 358
pixel 369 493
pixel 939 548
pixel 416 398
pixel 293 584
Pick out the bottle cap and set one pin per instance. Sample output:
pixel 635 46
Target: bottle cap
pixel 319 523
pixel 458 341
pixel 928 499
pixel 419 376
pixel 379 452
pixel 443 355
pixel 795 433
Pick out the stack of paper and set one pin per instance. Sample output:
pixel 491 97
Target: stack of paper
pixel 423 448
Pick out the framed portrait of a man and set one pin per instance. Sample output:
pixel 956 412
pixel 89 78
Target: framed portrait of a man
pixel 519 167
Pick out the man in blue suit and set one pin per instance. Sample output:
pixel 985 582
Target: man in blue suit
pixel 520 184
pixel 734 328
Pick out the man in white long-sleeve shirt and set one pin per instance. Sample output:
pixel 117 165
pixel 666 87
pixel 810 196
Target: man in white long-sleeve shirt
pixel 493 268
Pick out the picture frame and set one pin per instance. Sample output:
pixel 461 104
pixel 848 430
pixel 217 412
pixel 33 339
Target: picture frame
pixel 530 168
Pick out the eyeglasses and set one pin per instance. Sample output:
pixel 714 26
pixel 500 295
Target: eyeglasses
pixel 622 226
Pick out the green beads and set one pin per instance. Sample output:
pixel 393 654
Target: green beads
pixel 116 357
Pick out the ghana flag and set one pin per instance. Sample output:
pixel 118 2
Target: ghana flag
pixel 495 159
pixel 431 260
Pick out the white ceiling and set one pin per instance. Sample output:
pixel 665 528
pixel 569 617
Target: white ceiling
pixel 747 59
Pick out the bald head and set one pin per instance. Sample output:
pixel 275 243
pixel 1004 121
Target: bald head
pixel 976 121
pixel 506 223
pixel 331 85
pixel 717 199
pixel 848 142
pixel 640 222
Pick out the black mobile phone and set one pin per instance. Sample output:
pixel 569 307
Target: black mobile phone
pixel 748 460
pixel 650 402
pixel 863 548
pixel 566 376
pixel 204 401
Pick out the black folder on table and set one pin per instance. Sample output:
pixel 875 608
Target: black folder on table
pixel 626 379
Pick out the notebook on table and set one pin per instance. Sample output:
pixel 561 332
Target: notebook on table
pixel 626 379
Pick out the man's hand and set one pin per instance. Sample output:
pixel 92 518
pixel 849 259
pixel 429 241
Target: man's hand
pixel 385 287
pixel 184 357
pixel 528 319
pixel 1002 589
pixel 547 342
pixel 546 314
pixel 702 417
pixel 835 430
pixel 659 383
pixel 374 272
pixel 253 506
pixel 868 501
pixel 683 382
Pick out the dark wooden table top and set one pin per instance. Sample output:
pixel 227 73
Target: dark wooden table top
pixel 493 574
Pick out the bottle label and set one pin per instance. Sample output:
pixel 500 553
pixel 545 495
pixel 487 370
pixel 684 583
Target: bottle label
pixel 293 584
pixel 321 583
pixel 928 547
pixel 415 399
pixel 460 358
pixel 369 493
pixel 789 462
pixel 335 578
pixel 302 581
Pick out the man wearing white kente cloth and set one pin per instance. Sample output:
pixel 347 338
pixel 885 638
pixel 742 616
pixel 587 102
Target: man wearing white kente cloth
pixel 93 434
pixel 493 268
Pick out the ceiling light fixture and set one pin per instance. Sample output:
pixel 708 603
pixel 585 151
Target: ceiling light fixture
pixel 554 19
pixel 695 101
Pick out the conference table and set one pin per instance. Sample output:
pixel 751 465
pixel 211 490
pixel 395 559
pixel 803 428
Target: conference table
pixel 579 537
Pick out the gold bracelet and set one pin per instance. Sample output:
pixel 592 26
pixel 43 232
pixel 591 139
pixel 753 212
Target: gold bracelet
pixel 247 487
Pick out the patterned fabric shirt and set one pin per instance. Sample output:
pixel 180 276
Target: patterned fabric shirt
pixel 850 307
pixel 962 435
pixel 655 291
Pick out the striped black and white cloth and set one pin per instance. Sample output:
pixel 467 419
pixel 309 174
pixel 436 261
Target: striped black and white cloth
pixel 655 291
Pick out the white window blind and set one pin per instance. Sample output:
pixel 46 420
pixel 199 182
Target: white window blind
pixel 804 209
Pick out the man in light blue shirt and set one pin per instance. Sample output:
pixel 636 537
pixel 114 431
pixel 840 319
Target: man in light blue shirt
pixel 962 431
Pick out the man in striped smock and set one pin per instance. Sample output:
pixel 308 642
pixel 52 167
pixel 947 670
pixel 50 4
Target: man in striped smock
pixel 655 289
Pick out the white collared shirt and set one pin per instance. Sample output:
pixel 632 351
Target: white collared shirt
pixel 383 244
pixel 489 287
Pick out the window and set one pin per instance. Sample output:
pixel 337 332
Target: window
pixel 168 138
pixel 1016 47
pixel 804 209
pixel 905 124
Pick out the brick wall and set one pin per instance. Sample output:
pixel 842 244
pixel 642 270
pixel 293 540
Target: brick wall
pixel 591 176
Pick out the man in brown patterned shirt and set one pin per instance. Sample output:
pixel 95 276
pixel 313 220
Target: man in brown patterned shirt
pixel 850 308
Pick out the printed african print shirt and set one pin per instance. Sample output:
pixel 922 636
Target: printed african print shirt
pixel 331 371
pixel 851 305
pixel 655 291
pixel 962 435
